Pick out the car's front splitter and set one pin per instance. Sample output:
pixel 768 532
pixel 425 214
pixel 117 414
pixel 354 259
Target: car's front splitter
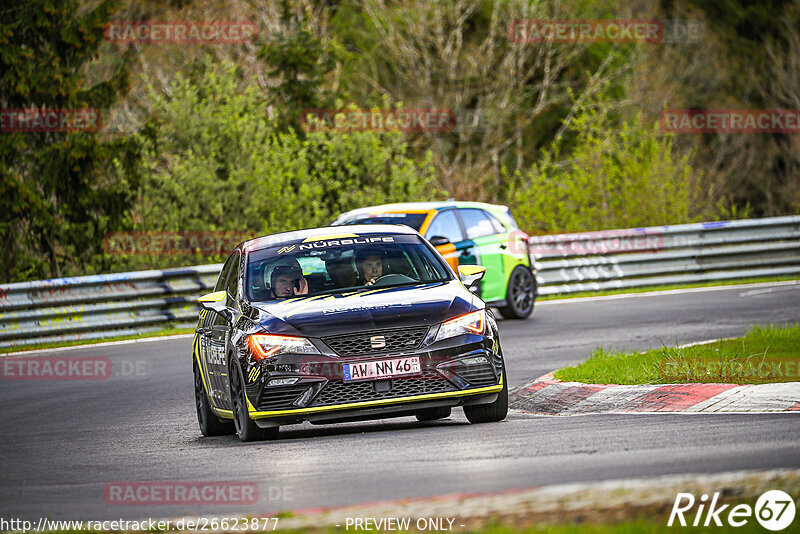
pixel 387 406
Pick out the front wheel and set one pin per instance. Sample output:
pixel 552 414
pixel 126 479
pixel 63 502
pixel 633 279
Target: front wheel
pixel 493 412
pixel 246 428
pixel 520 294
pixel 210 425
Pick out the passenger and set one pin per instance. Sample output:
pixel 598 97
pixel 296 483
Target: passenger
pixel 370 265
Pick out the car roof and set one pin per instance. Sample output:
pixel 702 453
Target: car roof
pixel 495 209
pixel 327 232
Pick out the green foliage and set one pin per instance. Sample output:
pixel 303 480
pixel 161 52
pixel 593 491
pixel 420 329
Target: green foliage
pixel 217 139
pixel 614 176
pixel 56 200
pixel 215 161
pixel 745 360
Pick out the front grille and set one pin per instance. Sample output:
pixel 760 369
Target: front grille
pixel 281 397
pixel 477 375
pixel 338 392
pixel 361 345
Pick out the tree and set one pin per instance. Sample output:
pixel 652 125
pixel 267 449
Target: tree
pixel 57 198
pixel 509 98
pixel 614 176
pixel 748 59
pixel 215 161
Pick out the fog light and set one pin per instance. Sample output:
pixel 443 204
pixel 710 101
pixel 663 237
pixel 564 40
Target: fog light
pixel 305 398
pixel 475 360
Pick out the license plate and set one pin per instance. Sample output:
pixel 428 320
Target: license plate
pixel 380 369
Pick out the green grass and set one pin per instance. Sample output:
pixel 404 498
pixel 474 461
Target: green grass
pixel 155 333
pixel 626 527
pixel 646 289
pixel 762 355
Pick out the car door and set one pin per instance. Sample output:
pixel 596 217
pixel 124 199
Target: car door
pixel 447 225
pixel 489 238
pixel 221 329
pixel 209 339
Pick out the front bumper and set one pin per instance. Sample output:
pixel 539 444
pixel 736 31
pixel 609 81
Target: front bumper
pixel 461 370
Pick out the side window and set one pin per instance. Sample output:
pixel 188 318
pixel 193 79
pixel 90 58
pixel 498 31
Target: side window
pixel 231 285
pixel 498 226
pixel 223 274
pixel 445 224
pixel 476 222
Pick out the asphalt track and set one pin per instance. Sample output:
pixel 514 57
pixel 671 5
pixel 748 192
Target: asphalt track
pixel 63 441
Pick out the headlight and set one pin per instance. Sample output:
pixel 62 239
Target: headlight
pixel 470 323
pixel 264 346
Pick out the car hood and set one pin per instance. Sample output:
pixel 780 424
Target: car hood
pixel 391 307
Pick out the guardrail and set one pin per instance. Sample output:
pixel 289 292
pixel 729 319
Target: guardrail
pixel 662 255
pixel 91 307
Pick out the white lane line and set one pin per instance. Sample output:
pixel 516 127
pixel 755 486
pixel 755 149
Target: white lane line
pixel 704 342
pixel 92 345
pixel 769 290
pixel 733 287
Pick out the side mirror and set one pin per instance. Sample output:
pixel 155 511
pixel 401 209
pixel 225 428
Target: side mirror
pixel 438 241
pixel 470 274
pixel 216 302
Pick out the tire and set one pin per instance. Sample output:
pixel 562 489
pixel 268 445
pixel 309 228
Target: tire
pixel 210 424
pixel 520 294
pixel 432 414
pixel 493 412
pixel 246 428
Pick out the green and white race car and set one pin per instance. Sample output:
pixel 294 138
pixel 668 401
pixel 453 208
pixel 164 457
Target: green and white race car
pixel 469 233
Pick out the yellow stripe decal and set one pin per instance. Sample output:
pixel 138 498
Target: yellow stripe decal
pixel 302 305
pixel 427 222
pixel 332 236
pixel 225 414
pixel 202 367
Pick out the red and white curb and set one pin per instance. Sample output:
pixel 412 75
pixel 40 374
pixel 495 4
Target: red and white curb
pixel 548 396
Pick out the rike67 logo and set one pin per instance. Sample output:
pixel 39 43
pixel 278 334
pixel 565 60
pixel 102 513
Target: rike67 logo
pixel 774 510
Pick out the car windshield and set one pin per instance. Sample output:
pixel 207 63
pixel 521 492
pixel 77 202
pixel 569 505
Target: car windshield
pixel 413 220
pixel 331 265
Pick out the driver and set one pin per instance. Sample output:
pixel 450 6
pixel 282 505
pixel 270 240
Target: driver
pixel 370 265
pixel 287 280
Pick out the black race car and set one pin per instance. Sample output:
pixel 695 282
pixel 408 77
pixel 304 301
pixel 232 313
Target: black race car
pixel 329 326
